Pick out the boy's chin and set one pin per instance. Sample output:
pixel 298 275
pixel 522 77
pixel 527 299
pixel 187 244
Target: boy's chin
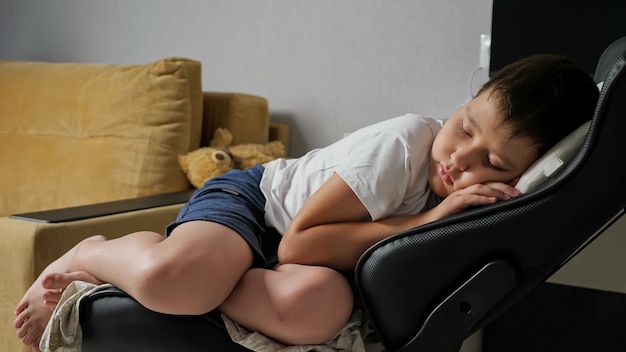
pixel 442 194
pixel 439 190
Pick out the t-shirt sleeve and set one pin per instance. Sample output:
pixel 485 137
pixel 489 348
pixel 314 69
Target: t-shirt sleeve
pixel 376 170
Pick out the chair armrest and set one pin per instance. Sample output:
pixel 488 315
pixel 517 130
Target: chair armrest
pixel 104 331
pixel 28 246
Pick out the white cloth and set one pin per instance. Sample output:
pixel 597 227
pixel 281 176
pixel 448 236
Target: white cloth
pixel 63 332
pixel 354 337
pixel 385 164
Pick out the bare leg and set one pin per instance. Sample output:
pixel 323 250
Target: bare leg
pixel 190 272
pixel 294 304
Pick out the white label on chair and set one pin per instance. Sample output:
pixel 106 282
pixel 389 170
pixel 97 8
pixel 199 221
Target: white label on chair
pixel 551 166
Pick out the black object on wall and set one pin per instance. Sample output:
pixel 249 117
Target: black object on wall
pixel 578 29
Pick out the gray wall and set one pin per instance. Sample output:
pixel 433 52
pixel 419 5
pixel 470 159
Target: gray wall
pixel 326 66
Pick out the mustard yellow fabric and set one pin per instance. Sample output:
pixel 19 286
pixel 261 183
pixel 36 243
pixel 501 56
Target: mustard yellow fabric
pixel 74 134
pixel 243 117
pixel 280 132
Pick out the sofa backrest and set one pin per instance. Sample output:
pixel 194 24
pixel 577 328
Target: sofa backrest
pixel 246 116
pixel 74 134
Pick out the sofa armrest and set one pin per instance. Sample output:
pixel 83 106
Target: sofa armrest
pixel 28 246
pixel 104 209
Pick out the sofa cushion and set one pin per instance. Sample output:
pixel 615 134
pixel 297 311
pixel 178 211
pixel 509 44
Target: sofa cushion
pixel 74 134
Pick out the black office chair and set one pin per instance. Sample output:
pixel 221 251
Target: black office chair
pixel 429 288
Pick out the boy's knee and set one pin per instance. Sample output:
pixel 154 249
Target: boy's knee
pixel 314 283
pixel 158 288
pixel 151 277
pixel 315 306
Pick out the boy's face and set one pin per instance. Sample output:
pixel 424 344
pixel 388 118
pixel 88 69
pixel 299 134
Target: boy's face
pixel 474 147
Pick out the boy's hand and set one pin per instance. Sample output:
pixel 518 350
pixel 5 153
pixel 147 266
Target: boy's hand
pixel 475 195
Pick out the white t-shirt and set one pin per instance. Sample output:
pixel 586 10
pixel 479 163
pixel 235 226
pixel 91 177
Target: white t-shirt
pixel 385 164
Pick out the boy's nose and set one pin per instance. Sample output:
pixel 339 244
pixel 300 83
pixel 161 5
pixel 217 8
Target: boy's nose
pixel 461 159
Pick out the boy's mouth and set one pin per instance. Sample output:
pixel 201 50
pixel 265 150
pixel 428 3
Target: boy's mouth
pixel 444 175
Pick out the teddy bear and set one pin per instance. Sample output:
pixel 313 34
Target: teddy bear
pixel 220 156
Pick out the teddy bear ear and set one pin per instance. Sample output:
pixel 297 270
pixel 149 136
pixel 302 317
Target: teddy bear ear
pixel 222 138
pixel 221 157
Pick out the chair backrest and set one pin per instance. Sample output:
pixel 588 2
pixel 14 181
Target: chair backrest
pixel 429 288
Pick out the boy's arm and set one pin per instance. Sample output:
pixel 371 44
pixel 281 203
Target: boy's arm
pixel 333 228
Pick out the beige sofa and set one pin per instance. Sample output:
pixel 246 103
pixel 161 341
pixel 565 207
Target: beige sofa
pixel 78 140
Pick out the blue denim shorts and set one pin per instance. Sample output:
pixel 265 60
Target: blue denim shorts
pixel 235 200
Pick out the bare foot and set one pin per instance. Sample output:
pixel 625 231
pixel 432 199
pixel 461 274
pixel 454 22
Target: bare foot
pixel 33 312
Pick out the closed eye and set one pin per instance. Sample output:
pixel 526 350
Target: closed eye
pixel 492 165
pixel 462 128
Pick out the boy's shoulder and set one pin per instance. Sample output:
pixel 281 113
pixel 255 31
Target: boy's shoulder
pixel 419 125
pixel 410 121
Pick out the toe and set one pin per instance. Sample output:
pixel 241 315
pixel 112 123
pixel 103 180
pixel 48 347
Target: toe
pixel 62 280
pixel 27 339
pixel 51 304
pixel 30 332
pixel 22 330
pixel 21 307
pixel 20 319
pixel 52 295
pixel 34 341
pixel 55 281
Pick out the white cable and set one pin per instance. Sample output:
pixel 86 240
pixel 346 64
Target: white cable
pixel 471 81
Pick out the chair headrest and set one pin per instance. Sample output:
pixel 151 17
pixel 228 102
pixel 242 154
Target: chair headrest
pixel 608 57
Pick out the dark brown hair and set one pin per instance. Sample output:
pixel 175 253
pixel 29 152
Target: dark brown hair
pixel 545 97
